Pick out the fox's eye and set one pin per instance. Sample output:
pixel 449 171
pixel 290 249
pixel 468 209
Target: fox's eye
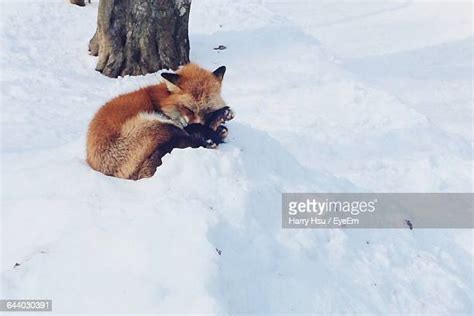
pixel 188 111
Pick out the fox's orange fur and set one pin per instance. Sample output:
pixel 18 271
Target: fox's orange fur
pixel 125 133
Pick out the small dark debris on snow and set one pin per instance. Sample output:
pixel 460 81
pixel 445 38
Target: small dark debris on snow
pixel 409 224
pixel 367 242
pixel 220 47
pixel 16 265
pixel 219 252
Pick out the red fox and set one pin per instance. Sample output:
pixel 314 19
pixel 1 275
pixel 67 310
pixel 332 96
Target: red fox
pixel 130 134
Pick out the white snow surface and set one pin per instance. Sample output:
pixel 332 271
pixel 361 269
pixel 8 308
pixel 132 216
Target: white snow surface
pixel 343 96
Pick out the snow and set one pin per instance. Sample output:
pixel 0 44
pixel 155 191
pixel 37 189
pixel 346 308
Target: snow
pixel 329 96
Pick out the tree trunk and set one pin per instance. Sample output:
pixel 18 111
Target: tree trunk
pixel 136 37
pixel 80 3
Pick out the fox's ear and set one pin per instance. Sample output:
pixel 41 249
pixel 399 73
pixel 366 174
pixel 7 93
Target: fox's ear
pixel 219 73
pixel 173 78
pixel 171 81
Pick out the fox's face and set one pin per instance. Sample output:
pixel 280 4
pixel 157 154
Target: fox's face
pixel 195 92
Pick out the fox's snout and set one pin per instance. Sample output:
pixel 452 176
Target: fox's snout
pixel 196 120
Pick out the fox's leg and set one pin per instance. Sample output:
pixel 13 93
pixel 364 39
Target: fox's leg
pixel 216 119
pixel 195 136
pixel 163 138
pixel 202 135
pixel 148 168
pixel 144 140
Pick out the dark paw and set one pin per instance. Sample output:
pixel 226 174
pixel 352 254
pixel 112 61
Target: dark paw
pixel 209 143
pixel 222 131
pixel 219 117
pixel 202 135
pixel 228 114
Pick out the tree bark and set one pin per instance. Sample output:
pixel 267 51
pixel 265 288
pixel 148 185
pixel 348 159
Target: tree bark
pixel 136 37
pixel 80 3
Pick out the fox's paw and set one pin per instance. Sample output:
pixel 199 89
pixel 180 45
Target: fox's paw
pixel 225 114
pixel 228 114
pixel 201 135
pixel 219 117
pixel 211 144
pixel 222 131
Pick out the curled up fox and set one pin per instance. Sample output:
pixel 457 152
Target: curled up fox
pixel 130 134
